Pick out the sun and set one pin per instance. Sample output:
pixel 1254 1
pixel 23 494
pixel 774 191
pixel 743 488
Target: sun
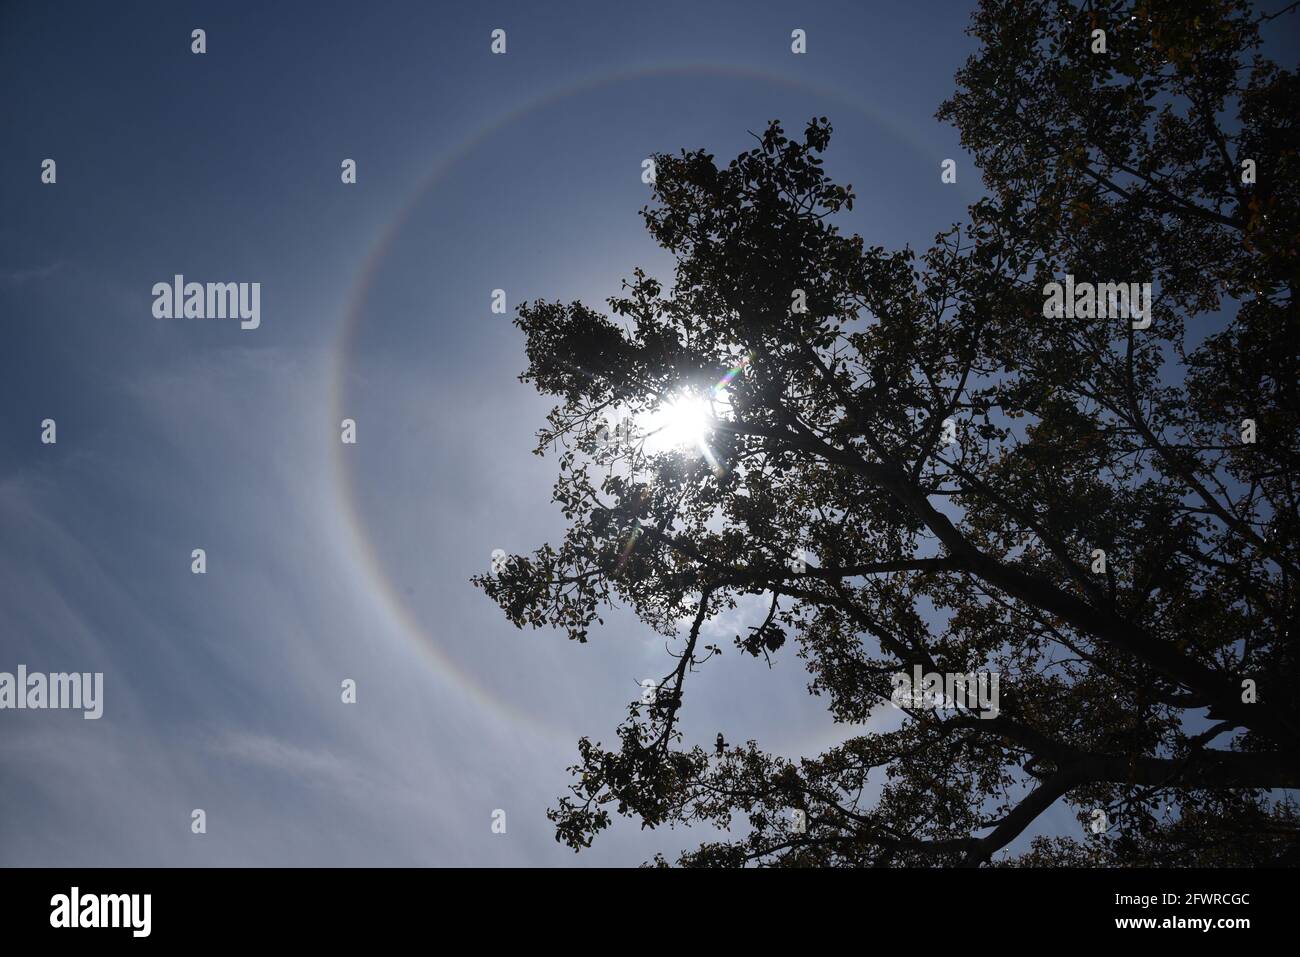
pixel 683 423
pixel 686 420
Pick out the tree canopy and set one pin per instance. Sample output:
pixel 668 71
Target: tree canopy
pixel 908 464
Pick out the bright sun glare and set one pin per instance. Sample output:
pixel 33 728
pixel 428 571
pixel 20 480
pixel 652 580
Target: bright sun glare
pixel 686 421
pixel 681 424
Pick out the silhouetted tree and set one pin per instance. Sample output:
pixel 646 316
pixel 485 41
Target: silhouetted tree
pixel 1125 682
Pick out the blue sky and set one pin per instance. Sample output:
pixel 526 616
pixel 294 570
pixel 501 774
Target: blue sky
pixel 326 562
